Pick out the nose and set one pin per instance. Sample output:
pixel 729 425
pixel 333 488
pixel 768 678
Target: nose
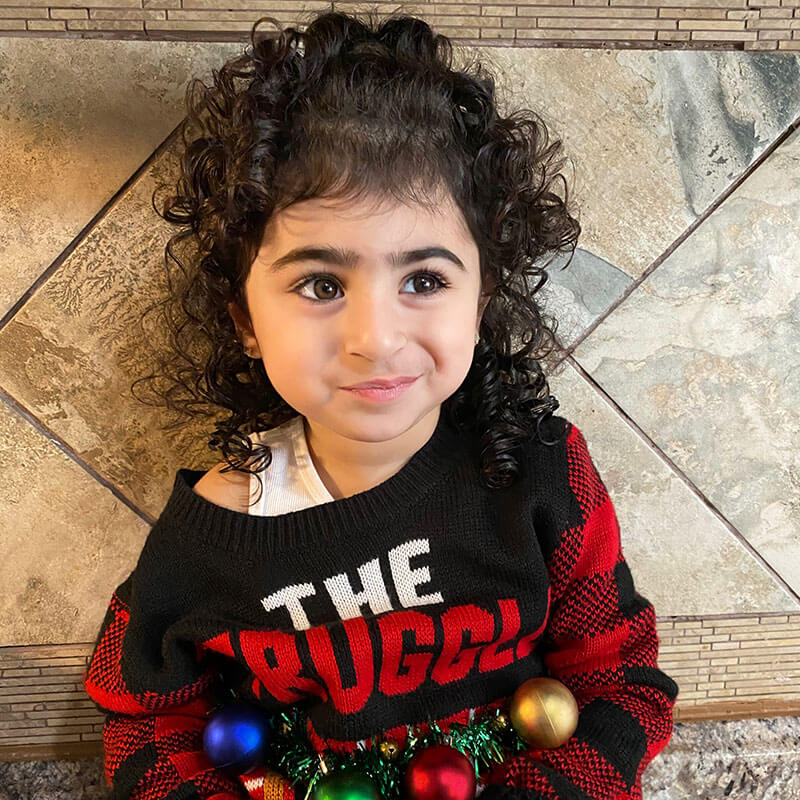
pixel 374 326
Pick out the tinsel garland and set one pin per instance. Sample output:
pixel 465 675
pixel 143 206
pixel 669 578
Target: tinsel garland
pixel 290 752
pixel 486 740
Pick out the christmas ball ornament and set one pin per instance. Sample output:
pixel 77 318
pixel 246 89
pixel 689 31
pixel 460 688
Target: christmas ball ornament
pixel 275 786
pixel 236 736
pixel 439 772
pixel 345 784
pixel 544 712
pixel 500 722
pixel 390 750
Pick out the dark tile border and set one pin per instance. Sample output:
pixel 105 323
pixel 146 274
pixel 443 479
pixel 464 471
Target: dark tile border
pixel 731 25
pixel 727 666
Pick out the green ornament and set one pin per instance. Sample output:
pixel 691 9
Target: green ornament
pixel 345 784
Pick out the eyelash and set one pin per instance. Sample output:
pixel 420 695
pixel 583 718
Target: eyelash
pixel 310 276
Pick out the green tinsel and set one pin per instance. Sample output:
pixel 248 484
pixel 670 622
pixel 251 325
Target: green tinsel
pixel 290 752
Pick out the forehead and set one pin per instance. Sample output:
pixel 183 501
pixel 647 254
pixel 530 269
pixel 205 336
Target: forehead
pixel 375 227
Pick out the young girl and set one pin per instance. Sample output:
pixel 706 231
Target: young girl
pixel 381 558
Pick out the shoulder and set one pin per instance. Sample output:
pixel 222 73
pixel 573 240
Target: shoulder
pixel 561 439
pixel 550 436
pixel 558 449
pixel 228 489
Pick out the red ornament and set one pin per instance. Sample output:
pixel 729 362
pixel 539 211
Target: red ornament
pixel 439 772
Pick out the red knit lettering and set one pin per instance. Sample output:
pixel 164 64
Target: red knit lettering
pixel 219 644
pixel 455 663
pixel 352 698
pixel 490 659
pixel 283 681
pixel 391 681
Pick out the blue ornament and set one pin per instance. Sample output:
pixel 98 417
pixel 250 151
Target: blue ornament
pixel 236 736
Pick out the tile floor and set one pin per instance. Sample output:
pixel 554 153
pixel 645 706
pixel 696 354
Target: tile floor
pixel 682 304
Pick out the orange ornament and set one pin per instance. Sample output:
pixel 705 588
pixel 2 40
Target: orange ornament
pixel 544 712
pixel 276 786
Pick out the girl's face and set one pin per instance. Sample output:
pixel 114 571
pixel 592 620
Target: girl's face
pixel 366 318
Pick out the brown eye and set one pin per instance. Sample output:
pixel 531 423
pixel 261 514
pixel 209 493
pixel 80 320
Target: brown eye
pixel 424 277
pixel 329 287
pixel 435 283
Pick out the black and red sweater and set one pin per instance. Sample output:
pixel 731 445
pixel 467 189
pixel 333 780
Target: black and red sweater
pixel 426 596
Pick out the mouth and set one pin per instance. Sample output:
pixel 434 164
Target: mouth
pixel 383 383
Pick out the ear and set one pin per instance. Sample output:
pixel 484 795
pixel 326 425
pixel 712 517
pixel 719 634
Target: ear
pixel 244 329
pixel 484 299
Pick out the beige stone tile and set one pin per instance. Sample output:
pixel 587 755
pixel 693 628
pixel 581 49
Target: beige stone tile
pixel 704 357
pixel 76 126
pixel 682 557
pixel 634 124
pixel 73 350
pixel 638 175
pixel 67 542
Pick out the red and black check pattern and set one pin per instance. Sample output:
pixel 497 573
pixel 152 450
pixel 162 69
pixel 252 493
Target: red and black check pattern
pixel 152 742
pixel 599 640
pixel 601 643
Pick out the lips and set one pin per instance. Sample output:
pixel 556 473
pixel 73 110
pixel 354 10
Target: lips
pixel 382 384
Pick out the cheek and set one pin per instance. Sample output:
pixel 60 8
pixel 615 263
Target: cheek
pixel 291 356
pixel 456 339
pixel 452 358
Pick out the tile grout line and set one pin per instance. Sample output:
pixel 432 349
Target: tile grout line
pixel 568 353
pixel 39 426
pixel 681 238
pixel 17 406
pixel 678 472
pixel 84 232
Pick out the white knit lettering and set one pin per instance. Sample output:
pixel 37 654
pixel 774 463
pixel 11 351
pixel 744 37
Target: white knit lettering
pixel 290 597
pixel 406 579
pixel 348 603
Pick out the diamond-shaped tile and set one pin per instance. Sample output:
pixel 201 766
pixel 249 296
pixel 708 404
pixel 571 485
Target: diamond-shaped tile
pixel 67 540
pixel 80 116
pixel 72 352
pixel 704 357
pixel 652 138
pixel 683 558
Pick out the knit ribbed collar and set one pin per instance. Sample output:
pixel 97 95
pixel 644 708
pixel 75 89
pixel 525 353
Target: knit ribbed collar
pixel 366 511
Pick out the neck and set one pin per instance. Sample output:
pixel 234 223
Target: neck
pixel 348 466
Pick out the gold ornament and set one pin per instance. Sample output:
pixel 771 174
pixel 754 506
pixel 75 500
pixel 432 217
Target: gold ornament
pixel 274 786
pixel 544 712
pixel 500 721
pixel 390 750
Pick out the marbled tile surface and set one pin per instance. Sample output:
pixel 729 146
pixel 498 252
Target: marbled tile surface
pixel 64 547
pixel 705 357
pixel 733 759
pixel 652 138
pixel 79 116
pixel 682 555
pixel 639 173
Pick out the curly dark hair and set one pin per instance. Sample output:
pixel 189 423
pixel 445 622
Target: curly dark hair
pixel 343 109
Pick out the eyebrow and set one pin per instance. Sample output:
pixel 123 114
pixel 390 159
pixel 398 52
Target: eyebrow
pixel 349 258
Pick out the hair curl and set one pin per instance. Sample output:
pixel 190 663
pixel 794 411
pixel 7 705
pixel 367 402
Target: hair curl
pixel 344 109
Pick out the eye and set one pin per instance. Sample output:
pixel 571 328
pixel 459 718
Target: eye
pixel 320 278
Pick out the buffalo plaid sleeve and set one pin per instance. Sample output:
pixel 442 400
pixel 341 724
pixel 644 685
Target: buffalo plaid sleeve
pixel 601 643
pixel 152 740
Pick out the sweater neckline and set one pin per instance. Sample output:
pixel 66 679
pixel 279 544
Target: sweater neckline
pixel 364 513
